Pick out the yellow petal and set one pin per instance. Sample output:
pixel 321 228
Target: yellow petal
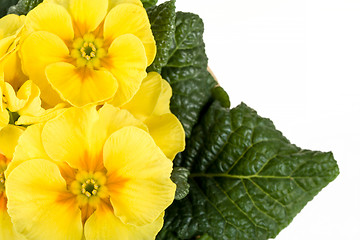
pixel 138 176
pixel 4 118
pixel 143 103
pixel 9 136
pixel 103 224
pixel 81 86
pixel 110 120
pixel 51 18
pixel 163 104
pixel 130 18
pixel 114 3
pixel 87 14
pixel 46 115
pixel 168 133
pixel 14 104
pixel 67 138
pixel 127 62
pixel 7 230
pixel 10 25
pixel 13 73
pixel 38 51
pixel 36 202
pixel 29 147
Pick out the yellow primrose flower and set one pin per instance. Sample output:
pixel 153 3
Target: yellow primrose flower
pixel 90 175
pixel 86 51
pixel 24 106
pixel 151 104
pixel 8 141
pixel 10 66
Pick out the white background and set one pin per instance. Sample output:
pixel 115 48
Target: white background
pixel 297 62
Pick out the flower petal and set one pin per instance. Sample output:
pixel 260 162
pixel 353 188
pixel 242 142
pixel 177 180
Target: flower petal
pixel 7 230
pixel 87 14
pixel 10 25
pixel 9 137
pixel 38 51
pixel 4 118
pixel 67 138
pixel 127 62
pixel 163 104
pixel 168 133
pixel 29 147
pixel 37 204
pixel 114 3
pixel 51 18
pixel 103 224
pixel 138 176
pixel 13 73
pixel 130 18
pixel 81 86
pixel 143 103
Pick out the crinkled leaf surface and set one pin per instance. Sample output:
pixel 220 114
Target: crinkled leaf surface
pixel 149 3
pixel 247 180
pixel 24 6
pixel 4 6
pixel 180 177
pixel 186 70
pixel 162 20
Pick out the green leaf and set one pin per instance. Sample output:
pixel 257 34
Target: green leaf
pixel 180 177
pixel 162 20
pixel 219 94
pixel 247 180
pixel 24 6
pixel 186 71
pixel 4 6
pixel 149 3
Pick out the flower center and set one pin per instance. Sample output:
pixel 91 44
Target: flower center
pixel 89 188
pixel 88 50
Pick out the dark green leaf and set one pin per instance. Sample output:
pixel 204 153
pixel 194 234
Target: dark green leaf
pixel 162 20
pixel 180 177
pixel 186 71
pixel 149 3
pixel 4 6
pixel 247 180
pixel 219 94
pixel 24 6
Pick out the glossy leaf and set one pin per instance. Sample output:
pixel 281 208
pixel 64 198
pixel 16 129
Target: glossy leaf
pixel 186 71
pixel 24 6
pixel 247 180
pixel 162 20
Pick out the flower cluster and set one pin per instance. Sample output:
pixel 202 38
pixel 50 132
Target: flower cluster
pixel 87 138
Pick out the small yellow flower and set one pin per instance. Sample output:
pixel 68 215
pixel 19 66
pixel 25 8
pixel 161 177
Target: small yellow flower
pixel 90 175
pixel 24 106
pixel 86 51
pixel 10 31
pixel 151 104
pixel 8 141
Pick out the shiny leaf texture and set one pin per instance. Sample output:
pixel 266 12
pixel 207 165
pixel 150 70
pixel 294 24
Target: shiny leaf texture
pixel 5 5
pixel 149 3
pixel 186 71
pixel 162 20
pixel 247 180
pixel 24 6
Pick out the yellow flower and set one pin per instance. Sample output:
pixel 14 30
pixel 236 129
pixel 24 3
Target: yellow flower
pixel 151 104
pixel 90 175
pixel 8 140
pixel 24 106
pixel 85 51
pixel 10 31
